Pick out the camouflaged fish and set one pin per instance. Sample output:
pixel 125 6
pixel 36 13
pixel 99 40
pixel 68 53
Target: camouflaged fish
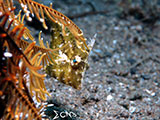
pixel 71 62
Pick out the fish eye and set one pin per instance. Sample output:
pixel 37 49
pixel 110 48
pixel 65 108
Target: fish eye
pixel 74 61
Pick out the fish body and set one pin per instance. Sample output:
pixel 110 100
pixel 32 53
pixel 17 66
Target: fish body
pixel 72 60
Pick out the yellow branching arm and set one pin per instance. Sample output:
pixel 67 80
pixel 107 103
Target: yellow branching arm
pixel 38 10
pixel 6 7
pixel 12 37
pixel 20 102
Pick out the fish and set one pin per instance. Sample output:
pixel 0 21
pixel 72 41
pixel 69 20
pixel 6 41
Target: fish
pixel 71 61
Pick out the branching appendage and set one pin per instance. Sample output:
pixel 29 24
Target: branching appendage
pixel 19 104
pixel 28 57
pixel 18 19
pixel 15 97
pixel 34 8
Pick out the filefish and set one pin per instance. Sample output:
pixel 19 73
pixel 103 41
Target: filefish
pixel 71 60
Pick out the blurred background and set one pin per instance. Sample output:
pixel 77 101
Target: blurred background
pixel 123 81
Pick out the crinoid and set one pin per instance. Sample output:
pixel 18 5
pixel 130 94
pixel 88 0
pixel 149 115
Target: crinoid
pixel 21 61
pixel 15 99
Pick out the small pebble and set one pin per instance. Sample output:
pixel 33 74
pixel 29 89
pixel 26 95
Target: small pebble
pixel 131 61
pixel 116 56
pixel 122 96
pixel 110 89
pixel 158 101
pixel 133 70
pixel 124 104
pixel 118 62
pixel 135 96
pixel 97 50
pixel 108 54
pixel 139 27
pixel 116 28
pixel 147 99
pixel 132 109
pixel 146 77
pixel 109 97
pixel 132 88
pixel 150 92
pixel 114 41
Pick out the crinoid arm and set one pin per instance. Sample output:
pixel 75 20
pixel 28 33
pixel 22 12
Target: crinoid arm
pixel 15 96
pixel 38 10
